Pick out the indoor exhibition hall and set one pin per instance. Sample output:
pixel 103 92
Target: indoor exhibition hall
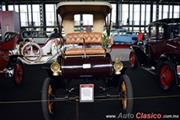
pixel 89 59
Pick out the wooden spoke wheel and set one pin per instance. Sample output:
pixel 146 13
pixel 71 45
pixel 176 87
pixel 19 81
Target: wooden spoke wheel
pixel 126 92
pixel 48 100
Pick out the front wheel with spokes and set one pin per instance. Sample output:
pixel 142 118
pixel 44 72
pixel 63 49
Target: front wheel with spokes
pixel 126 92
pixel 166 74
pixel 48 99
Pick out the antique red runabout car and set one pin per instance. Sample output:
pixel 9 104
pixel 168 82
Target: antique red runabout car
pixel 10 66
pixel 84 70
pixel 162 51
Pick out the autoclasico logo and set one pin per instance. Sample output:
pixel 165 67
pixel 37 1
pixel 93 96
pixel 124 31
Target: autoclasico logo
pixel 141 115
pixel 138 115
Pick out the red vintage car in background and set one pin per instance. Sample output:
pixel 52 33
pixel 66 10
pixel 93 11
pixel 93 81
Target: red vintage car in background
pixel 162 52
pixel 10 66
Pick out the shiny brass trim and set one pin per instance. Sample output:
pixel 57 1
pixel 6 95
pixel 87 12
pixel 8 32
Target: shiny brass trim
pixel 118 66
pixel 56 68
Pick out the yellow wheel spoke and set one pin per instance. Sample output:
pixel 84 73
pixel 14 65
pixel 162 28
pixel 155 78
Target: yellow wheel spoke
pixel 49 90
pixel 50 103
pixel 124 95
pixel 123 87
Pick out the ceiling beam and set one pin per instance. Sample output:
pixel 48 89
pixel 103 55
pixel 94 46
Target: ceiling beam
pixel 113 1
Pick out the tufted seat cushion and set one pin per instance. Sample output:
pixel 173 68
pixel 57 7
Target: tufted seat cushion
pixel 87 51
pixel 88 40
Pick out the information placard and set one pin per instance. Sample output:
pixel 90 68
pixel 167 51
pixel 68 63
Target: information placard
pixel 86 92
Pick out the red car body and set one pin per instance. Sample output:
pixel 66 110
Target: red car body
pixel 5 48
pixel 166 40
pixel 10 66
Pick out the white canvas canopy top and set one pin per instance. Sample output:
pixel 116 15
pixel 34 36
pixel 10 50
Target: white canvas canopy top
pixel 68 9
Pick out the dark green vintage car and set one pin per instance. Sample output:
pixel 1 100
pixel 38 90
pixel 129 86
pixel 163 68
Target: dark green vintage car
pixel 84 70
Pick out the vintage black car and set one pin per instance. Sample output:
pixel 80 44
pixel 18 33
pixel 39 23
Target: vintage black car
pixel 84 70
pixel 162 51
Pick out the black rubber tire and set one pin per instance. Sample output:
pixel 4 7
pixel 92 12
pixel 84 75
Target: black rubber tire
pixel 124 78
pixel 44 100
pixel 135 65
pixel 172 70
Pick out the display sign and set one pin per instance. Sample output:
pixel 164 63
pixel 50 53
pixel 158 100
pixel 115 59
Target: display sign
pixel 86 92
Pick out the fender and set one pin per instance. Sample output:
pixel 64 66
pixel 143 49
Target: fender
pixel 169 57
pixel 164 57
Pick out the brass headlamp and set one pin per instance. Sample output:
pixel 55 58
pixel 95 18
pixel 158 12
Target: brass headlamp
pixel 118 66
pixel 56 68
